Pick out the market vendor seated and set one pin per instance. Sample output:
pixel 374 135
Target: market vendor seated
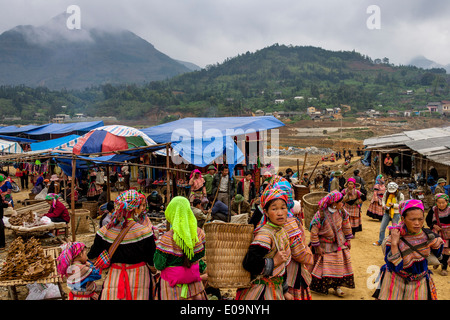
pixel 240 206
pixel 58 211
pixel 155 202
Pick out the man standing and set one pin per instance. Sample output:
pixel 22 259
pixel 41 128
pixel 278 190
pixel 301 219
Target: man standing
pixel 440 186
pixel 209 177
pixel 246 187
pixel 224 186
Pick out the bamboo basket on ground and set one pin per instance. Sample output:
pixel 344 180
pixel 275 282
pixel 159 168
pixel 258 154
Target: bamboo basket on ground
pixel 226 246
pixel 92 206
pixel 310 205
pixel 82 221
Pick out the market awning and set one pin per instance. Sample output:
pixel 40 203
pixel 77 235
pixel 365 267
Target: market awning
pixel 200 141
pixel 54 143
pixel 10 147
pixel 59 129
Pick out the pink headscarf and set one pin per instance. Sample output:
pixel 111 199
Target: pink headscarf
pixel 69 252
pixel 194 172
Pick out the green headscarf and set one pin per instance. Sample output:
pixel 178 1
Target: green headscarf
pixel 183 223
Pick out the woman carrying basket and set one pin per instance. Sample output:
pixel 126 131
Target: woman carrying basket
pixel 438 220
pixel 130 233
pixel 330 233
pixel 269 253
pixel 178 255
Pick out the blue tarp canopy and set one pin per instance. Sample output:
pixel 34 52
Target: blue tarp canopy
pixel 64 128
pixel 201 140
pixel 50 144
pixel 17 139
pixel 15 130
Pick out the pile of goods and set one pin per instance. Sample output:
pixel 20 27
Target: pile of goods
pixel 26 261
pixel 20 219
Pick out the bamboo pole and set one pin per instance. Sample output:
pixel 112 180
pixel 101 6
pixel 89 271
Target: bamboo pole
pixel 108 186
pixel 303 169
pixel 72 199
pixel 167 176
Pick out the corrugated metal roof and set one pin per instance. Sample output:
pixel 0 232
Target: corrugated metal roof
pixel 434 143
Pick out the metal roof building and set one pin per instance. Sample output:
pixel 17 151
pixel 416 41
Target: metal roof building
pixel 433 143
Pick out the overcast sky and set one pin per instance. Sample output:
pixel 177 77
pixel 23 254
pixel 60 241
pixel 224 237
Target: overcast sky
pixel 209 31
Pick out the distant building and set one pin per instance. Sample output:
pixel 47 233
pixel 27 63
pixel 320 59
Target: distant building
pixel 259 113
pixel 444 108
pixel 278 101
pixel 433 106
pixel 310 110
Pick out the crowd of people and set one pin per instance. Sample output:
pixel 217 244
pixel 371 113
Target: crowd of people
pixel 283 262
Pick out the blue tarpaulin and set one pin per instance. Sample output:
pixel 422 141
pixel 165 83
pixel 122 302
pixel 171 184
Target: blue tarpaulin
pixel 17 139
pixel 14 130
pixel 50 144
pixel 64 128
pixel 201 140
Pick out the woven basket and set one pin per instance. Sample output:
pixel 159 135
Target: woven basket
pixel 226 246
pixel 300 191
pixel 310 205
pixel 82 221
pixel 92 206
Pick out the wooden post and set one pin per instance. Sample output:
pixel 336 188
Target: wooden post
pixel 167 176
pixel 303 169
pixel 448 175
pixel 298 169
pixel 72 198
pixel 380 162
pixel 108 186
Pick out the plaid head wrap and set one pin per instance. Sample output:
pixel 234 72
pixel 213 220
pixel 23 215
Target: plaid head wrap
pixel 378 179
pixel 330 198
pixel 53 197
pixel 69 252
pixel 183 223
pixel 124 206
pixel 268 195
pixel 408 204
pixel 442 196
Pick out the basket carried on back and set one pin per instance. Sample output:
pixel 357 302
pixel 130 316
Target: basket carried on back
pixel 310 205
pixel 300 191
pixel 226 246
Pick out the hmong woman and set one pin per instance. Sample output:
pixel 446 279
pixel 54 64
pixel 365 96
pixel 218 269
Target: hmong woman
pixel 129 277
pixel 298 277
pixel 330 233
pixel 178 255
pixel 405 276
pixel 352 204
pixel 375 209
pixel 81 275
pixel 438 220
pixel 269 253
pixel 197 183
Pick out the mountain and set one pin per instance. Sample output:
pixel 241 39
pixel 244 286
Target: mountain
pixel 56 57
pixel 275 78
pixel 423 62
pixel 191 66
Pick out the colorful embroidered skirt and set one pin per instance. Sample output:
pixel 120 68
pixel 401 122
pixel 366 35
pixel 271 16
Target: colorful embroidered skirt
pixel 166 292
pixel 332 270
pixel 394 286
pixel 375 211
pixel 355 217
pixel 262 289
pixel 128 282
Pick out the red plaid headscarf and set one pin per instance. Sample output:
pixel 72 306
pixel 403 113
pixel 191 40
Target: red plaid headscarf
pixel 69 252
pixel 268 195
pixel 124 206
